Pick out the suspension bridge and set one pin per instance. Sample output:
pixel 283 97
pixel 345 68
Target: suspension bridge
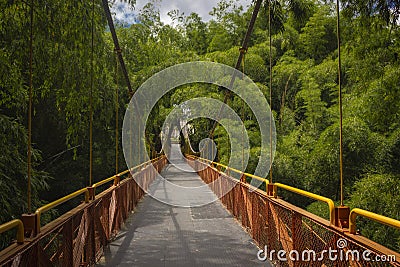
pixel 121 226
pixel 118 224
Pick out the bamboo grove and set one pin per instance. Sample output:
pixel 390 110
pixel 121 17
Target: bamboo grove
pixel 304 94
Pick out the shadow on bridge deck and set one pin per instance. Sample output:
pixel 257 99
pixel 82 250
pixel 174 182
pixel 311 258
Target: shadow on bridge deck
pixel 159 234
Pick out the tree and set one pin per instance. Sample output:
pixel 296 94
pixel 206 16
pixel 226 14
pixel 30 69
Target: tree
pixel 381 102
pixel 358 154
pixel 387 10
pixel 196 33
pixel 318 37
pixel 378 193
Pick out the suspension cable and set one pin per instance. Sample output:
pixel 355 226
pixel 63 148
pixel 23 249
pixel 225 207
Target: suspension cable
pixel 91 102
pixel 116 44
pixel 239 61
pixel 340 101
pixel 270 88
pixel 116 114
pixel 124 71
pixel 29 170
pixel 130 142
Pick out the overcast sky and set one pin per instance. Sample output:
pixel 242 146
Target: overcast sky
pixel 201 7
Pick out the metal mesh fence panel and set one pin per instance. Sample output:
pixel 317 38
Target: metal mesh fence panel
pixel 78 237
pixel 280 226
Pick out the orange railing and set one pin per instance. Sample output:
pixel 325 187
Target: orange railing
pixel 279 225
pixel 78 237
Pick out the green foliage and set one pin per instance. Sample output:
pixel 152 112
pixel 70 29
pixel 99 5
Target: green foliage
pixel 304 95
pixel 61 83
pixel 378 193
pixel 319 208
pixel 196 33
pixel 358 154
pixel 317 38
pixel 381 102
pixel 388 11
pixel 13 174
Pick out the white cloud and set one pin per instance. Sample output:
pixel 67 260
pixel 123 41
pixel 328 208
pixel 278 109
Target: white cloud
pixel 201 7
pixel 123 13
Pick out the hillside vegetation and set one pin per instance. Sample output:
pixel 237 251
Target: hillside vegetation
pixel 304 95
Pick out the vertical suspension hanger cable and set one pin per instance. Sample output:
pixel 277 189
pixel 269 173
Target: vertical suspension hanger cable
pixel 91 102
pixel 29 163
pixel 340 102
pixel 243 50
pixel 131 165
pixel 116 113
pixel 218 153
pixel 228 141
pixel 212 158
pixel 139 143
pixel 270 88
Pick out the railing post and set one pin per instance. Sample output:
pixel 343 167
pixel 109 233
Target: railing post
pixel 117 179
pixel 30 227
pixel 92 193
pixel 218 168
pixel 272 190
pixel 342 216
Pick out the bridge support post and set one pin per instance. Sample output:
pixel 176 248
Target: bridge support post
pixel 117 179
pixel 342 216
pixel 30 227
pixel 272 190
pixel 92 192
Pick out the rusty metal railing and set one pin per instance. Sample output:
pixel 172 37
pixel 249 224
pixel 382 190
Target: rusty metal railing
pixel 331 204
pixel 328 201
pixel 279 225
pixel 78 237
pixel 58 202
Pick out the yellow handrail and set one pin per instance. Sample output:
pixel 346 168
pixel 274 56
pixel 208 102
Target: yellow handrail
pixel 328 201
pixel 11 225
pixel 237 171
pixel 257 177
pixel 85 191
pixel 223 166
pixel 112 178
pixel 57 202
pixel 353 214
pixel 372 216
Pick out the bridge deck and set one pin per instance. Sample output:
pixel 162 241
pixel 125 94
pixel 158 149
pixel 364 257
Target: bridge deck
pixel 159 234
